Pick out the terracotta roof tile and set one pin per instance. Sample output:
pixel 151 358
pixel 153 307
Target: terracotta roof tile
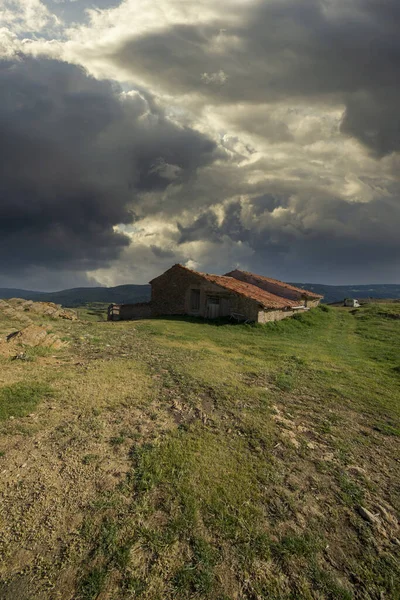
pixel 266 299
pixel 288 286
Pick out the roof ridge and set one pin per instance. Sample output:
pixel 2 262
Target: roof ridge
pixel 278 281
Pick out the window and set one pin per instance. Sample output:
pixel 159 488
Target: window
pixel 195 299
pixel 213 300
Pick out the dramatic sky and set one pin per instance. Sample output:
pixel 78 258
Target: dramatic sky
pixel 263 134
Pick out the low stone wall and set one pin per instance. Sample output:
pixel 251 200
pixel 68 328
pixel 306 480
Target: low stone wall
pixel 129 312
pixel 266 316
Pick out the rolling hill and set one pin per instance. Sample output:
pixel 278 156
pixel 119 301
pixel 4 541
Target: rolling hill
pixel 335 293
pixel 141 293
pixel 86 295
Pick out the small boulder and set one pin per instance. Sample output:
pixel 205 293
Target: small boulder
pixel 368 516
pixel 32 336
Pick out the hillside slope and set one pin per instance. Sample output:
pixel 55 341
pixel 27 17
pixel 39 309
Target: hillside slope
pixel 141 293
pixel 174 459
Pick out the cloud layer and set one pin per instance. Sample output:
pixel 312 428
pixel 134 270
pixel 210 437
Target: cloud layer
pixel 288 48
pixel 260 134
pixel 75 154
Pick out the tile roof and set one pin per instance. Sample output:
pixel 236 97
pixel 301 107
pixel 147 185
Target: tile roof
pixel 261 278
pixel 266 299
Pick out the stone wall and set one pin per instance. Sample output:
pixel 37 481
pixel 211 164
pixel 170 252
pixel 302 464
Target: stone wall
pixel 266 316
pixel 170 291
pixel 313 303
pixel 244 306
pixel 128 312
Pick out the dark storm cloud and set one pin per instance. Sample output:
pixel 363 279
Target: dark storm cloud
pixel 374 118
pixel 309 238
pixel 204 227
pixel 161 253
pixel 298 50
pixel 74 154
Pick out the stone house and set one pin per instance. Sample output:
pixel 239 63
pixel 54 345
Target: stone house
pixel 182 291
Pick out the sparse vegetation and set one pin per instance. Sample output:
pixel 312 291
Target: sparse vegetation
pixel 19 399
pixel 181 459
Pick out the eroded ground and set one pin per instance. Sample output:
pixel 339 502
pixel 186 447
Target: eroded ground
pixel 177 459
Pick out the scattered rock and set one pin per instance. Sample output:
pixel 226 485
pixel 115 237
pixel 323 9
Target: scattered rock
pixel 395 541
pixel 302 429
pixel 368 516
pixel 283 421
pixel 18 308
pixel 386 515
pixel 355 470
pixel 329 457
pixel 33 335
pixel 30 336
pixel 20 356
pixel 290 437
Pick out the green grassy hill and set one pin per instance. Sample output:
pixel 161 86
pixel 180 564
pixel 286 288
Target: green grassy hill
pixel 180 459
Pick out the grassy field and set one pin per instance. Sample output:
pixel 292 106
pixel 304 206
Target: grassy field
pixel 177 459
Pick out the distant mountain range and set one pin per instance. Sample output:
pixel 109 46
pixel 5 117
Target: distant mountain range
pixel 79 296
pixel 141 293
pixel 336 293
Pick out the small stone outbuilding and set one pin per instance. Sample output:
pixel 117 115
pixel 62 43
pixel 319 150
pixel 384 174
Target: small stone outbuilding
pixel 128 312
pixel 182 291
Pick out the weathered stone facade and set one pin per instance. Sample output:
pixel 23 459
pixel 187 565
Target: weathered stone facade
pixel 170 291
pixel 171 294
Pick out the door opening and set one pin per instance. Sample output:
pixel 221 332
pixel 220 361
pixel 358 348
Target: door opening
pixel 213 305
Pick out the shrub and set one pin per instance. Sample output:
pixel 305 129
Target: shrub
pixel 324 307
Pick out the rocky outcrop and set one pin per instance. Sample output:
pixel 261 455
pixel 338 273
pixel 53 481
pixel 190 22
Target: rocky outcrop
pixel 15 307
pixel 30 336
